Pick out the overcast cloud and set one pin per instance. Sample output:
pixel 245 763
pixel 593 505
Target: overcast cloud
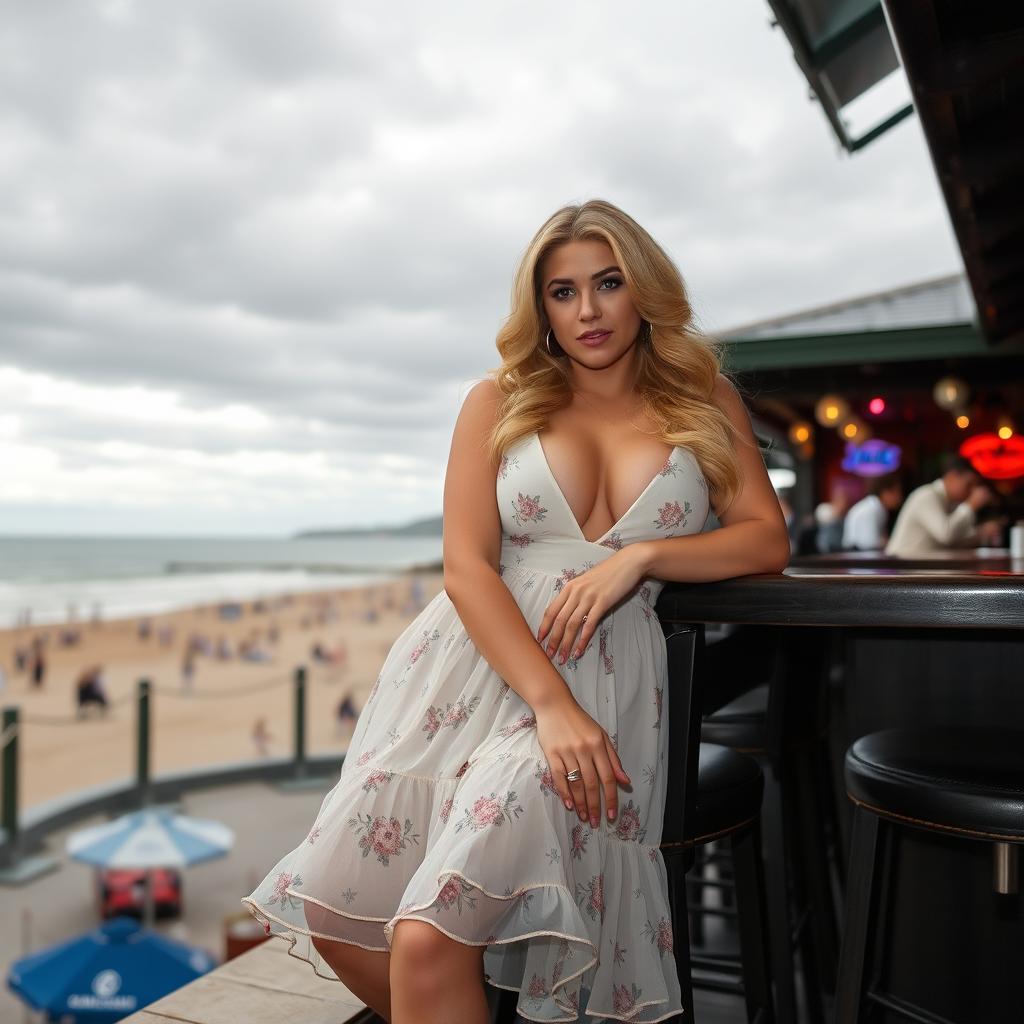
pixel 252 254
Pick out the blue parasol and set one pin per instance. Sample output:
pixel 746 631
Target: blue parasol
pixel 151 839
pixel 106 974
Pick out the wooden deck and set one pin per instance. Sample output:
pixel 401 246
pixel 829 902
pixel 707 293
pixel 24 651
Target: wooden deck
pixel 262 986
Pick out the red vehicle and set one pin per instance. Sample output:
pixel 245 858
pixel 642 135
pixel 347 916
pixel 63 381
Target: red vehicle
pixel 123 891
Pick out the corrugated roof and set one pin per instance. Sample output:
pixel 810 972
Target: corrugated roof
pixel 941 301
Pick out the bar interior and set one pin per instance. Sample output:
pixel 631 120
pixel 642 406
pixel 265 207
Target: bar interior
pixel 849 736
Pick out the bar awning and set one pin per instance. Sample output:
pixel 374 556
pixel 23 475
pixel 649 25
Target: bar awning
pixel 930 319
pixel 964 65
pixel 844 49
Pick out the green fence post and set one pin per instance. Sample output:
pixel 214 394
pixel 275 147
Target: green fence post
pixel 300 722
pixel 9 800
pixel 142 742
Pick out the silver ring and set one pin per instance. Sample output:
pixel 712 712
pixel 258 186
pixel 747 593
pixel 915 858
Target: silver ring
pixel 574 776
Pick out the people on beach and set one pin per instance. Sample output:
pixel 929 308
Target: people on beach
pixel 346 713
pixel 188 670
pixel 337 656
pixel 90 688
pixel 261 737
pixel 37 662
pixel 69 637
pixel 250 650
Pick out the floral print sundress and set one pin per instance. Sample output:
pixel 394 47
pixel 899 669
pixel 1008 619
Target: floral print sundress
pixel 445 809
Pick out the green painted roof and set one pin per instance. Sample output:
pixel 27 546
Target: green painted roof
pixel 926 320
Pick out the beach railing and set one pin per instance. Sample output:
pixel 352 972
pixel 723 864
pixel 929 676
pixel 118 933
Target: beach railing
pixel 23 833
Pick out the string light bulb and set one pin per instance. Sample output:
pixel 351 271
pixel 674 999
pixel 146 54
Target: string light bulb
pixel 949 393
pixel 800 432
pixel 831 410
pixel 853 429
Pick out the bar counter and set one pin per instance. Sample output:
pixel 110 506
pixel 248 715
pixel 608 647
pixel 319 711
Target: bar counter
pixel 850 645
pixel 878 593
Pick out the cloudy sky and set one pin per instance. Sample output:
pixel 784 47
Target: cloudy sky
pixel 253 254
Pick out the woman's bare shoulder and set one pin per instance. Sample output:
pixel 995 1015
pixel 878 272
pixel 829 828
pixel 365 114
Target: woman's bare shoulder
pixel 484 393
pixel 727 397
pixel 482 403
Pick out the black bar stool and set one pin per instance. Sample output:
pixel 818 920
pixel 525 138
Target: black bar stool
pixel 781 723
pixel 963 783
pixel 727 809
pixel 697 808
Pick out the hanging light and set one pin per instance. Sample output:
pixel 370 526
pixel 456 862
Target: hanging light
pixel 949 393
pixel 853 429
pixel 831 410
pixel 963 421
pixel 876 406
pixel 1005 428
pixel 801 432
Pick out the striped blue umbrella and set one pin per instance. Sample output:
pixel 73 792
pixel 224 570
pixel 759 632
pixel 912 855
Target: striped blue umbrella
pixel 151 838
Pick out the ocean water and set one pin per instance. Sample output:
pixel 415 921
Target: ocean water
pixel 56 577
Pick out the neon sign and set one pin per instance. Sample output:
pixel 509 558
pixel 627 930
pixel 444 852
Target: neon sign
pixel 993 457
pixel 873 457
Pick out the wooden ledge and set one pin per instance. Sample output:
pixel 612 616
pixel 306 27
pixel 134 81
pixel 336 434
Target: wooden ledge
pixel 262 986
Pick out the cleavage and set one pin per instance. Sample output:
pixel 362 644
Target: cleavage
pixel 581 473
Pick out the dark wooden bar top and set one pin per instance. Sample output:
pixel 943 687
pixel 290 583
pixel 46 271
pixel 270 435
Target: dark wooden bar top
pixel 947 594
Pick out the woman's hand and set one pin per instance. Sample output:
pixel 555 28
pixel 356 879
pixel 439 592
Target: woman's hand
pixel 590 594
pixel 570 739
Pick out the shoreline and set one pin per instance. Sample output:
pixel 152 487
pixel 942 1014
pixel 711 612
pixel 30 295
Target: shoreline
pixel 120 598
pixel 212 718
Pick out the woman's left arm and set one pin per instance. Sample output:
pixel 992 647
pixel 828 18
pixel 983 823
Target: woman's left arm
pixel 752 539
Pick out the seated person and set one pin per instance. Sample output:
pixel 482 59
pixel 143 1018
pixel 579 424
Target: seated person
pixel 866 527
pixel 942 515
pixel 91 689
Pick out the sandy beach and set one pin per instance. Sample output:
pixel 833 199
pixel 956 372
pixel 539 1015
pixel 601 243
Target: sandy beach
pixel 213 718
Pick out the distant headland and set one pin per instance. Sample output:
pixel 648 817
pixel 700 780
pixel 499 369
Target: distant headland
pixel 429 527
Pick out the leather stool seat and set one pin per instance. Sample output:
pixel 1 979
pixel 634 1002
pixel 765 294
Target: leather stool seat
pixel 729 789
pixel 741 723
pixel 964 780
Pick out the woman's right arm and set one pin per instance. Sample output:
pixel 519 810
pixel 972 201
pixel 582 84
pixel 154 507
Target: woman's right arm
pixel 495 623
pixel 472 548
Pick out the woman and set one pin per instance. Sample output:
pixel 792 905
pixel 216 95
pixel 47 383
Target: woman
pixel 530 690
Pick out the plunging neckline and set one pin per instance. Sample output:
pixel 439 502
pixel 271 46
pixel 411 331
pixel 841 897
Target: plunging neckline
pixel 565 501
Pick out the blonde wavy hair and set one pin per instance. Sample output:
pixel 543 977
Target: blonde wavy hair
pixel 675 373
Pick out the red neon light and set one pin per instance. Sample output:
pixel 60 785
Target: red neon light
pixel 994 458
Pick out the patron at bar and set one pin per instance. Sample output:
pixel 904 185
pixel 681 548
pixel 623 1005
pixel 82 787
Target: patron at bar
pixel 866 527
pixel 943 514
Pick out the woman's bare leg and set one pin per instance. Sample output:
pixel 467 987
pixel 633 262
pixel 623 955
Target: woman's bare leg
pixel 364 972
pixel 435 979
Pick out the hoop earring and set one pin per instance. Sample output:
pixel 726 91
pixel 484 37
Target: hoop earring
pixel 547 345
